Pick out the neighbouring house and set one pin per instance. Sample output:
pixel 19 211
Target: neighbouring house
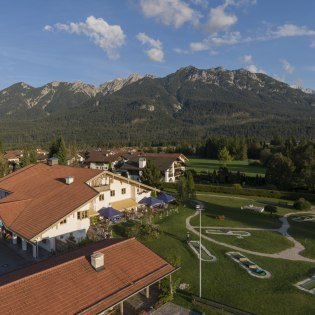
pixel 96 279
pixel 13 156
pixel 171 165
pixel 75 159
pixel 102 159
pixel 43 204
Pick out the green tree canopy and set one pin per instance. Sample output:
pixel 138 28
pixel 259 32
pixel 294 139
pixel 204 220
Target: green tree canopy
pixel 280 171
pixel 224 155
pixel 151 175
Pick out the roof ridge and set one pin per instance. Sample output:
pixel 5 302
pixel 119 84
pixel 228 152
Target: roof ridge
pixel 68 262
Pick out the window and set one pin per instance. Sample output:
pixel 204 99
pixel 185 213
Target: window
pixel 82 215
pixel 63 221
pixel 112 193
pixel 101 197
pixel 123 191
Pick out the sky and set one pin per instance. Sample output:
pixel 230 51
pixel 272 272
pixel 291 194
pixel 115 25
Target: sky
pixel 98 40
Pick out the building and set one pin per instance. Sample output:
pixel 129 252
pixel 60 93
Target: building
pixel 91 280
pixel 42 204
pixel 171 165
pixel 13 156
pixel 102 159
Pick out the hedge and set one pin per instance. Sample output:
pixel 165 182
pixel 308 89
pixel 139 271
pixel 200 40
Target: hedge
pixel 290 195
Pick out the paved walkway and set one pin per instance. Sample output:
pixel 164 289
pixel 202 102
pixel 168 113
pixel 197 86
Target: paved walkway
pixel 173 309
pixel 292 253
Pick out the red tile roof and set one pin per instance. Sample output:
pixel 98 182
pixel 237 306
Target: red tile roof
pixel 68 284
pixel 39 197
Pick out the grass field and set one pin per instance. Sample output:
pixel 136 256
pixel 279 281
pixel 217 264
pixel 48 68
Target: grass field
pixel 223 280
pixel 234 217
pixel 304 232
pixel 211 165
pixel 261 241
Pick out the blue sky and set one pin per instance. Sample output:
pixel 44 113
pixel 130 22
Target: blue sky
pixel 98 40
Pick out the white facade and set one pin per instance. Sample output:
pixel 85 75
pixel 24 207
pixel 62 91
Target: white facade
pixel 111 188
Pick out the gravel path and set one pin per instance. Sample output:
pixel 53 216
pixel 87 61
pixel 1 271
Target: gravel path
pixel 292 253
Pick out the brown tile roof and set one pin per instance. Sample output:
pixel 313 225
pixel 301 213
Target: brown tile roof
pixel 68 284
pixel 39 196
pixel 162 163
pixel 102 157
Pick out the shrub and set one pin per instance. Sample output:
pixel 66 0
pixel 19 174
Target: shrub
pixel 237 186
pixel 302 204
pixel 269 193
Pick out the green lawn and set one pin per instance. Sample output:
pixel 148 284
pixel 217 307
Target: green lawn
pixel 235 217
pixel 304 232
pixel 261 241
pixel 225 282
pixel 210 165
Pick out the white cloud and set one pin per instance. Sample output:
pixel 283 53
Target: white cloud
pixel 108 37
pixel 287 67
pixel 289 30
pixel 48 28
pixel 155 51
pixel 252 68
pixel 170 12
pixel 181 51
pixel 231 38
pixel 219 20
pixel 247 59
pixel 312 45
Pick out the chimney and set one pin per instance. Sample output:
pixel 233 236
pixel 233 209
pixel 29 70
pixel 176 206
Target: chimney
pixel 142 162
pixel 97 261
pixel 69 180
pixel 52 161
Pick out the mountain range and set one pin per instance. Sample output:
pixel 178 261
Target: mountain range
pixel 187 105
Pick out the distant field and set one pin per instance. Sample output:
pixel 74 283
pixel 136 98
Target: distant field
pixel 210 165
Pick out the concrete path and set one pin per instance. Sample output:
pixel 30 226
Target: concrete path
pixel 292 253
pixel 173 309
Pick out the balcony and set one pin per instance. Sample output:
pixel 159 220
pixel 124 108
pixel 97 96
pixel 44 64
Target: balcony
pixel 102 188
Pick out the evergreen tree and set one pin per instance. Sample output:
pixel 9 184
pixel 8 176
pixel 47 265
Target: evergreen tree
pixel 190 185
pixel 33 156
pixel 4 166
pixel 53 149
pixel 182 193
pixel 224 155
pixel 151 175
pixel 61 151
pixel 25 158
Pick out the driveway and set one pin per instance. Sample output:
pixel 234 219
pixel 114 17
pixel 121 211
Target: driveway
pixel 9 260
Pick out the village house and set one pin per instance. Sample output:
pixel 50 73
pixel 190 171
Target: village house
pixel 102 159
pixel 97 279
pixel 171 165
pixel 13 156
pixel 43 204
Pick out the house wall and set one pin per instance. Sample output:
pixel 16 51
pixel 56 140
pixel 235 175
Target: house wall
pixel 77 227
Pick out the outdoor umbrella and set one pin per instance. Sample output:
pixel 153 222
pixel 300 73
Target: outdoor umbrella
pixel 110 213
pixel 151 201
pixel 166 198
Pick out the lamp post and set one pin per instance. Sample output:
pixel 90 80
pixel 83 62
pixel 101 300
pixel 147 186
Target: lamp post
pixel 199 208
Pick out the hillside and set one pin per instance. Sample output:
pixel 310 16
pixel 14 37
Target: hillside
pixel 189 105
